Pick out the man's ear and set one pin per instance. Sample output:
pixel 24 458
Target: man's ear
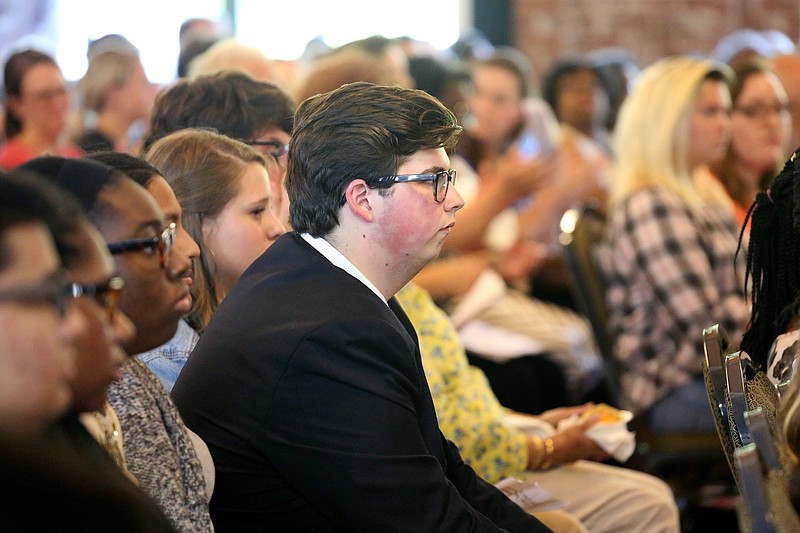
pixel 357 199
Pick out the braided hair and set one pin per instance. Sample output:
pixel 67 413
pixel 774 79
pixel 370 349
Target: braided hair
pixel 773 261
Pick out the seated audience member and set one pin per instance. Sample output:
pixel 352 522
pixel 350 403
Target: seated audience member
pixel 231 55
pixel 337 68
pixel 787 68
pixel 195 36
pixel 772 338
pixel 115 96
pixel 37 329
pixel 225 194
pixel 602 497
pixel 95 290
pixel 620 69
pixel 255 112
pixel 518 176
pixel 110 42
pixel 37 106
pixel 82 468
pixel 668 254
pixel 153 256
pixel 163 359
pixel 385 50
pixel 760 129
pixel 319 416
pixel 579 95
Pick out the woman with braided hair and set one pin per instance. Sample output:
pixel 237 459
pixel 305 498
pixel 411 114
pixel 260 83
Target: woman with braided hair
pixel 773 275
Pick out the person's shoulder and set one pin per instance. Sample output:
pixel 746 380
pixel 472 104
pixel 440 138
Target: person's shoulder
pixel 649 200
pixel 13 153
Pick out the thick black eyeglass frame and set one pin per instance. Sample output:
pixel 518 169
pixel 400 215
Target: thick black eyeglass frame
pixel 439 191
pixel 106 294
pixel 162 243
pixel 279 148
pixel 51 291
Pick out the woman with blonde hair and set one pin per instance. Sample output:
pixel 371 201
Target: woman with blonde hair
pixel 224 191
pixel 671 242
pixel 114 95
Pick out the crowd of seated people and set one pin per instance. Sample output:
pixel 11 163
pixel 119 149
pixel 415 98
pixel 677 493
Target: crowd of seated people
pixel 132 213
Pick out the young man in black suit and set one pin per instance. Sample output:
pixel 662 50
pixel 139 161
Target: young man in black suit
pixel 307 385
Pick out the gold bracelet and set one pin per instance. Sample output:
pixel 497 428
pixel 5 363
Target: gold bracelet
pixel 549 448
pixel 537 452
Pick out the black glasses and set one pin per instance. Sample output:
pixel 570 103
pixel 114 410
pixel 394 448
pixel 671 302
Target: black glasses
pixel 278 149
pixel 106 294
pixel 163 244
pixel 441 181
pixel 50 291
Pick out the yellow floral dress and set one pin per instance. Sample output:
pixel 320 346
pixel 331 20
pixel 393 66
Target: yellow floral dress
pixel 467 409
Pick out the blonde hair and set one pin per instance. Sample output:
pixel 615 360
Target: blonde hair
pixel 652 136
pixel 204 170
pixel 346 66
pixel 231 55
pixel 105 72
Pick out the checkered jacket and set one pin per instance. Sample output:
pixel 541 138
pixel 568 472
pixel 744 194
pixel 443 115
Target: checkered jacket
pixel 670 272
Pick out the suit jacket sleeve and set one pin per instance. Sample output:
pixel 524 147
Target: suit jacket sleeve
pixel 344 428
pixel 487 499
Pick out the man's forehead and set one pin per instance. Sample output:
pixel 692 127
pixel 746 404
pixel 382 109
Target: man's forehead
pixel 165 198
pixel 134 210
pixel 32 254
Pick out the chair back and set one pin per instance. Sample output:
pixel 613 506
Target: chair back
pixel 737 401
pixel 715 345
pixel 763 480
pixel 582 229
pixel 754 508
pixel 753 404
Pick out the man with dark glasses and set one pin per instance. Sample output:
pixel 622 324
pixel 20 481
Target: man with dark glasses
pixel 307 385
pixel 153 254
pixel 37 329
pixel 89 492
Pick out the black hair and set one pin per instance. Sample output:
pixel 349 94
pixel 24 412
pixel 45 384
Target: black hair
pixel 134 167
pixel 565 66
pixel 773 261
pixel 83 178
pixel 26 198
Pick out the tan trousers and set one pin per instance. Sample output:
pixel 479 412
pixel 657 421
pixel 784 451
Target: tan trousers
pixel 611 499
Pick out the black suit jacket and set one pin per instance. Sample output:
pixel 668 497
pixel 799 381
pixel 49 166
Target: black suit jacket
pixel 310 394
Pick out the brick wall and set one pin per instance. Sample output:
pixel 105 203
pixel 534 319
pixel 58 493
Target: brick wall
pixel 548 29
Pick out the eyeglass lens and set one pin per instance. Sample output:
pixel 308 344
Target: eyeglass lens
pixel 442 184
pixel 106 294
pixel 50 292
pixel 166 243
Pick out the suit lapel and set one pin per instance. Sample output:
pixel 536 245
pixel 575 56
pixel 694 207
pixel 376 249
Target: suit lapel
pixel 397 309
